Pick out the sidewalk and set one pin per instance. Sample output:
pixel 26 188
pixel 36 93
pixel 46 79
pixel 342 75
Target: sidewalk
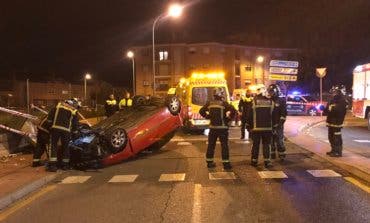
pixel 294 130
pixel 18 178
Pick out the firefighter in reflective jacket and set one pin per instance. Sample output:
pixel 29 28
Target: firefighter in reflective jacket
pixel 125 102
pixel 110 106
pixel 245 104
pixel 274 93
pixel 64 122
pixel 336 111
pixel 220 113
pixel 43 140
pixel 260 120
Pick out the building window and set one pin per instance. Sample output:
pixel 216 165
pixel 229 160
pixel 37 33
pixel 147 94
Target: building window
pixel 163 55
pixel 145 52
pixel 248 68
pixel 164 70
pixel 162 84
pixel 206 50
pixel 145 68
pixel 192 50
pixel 51 91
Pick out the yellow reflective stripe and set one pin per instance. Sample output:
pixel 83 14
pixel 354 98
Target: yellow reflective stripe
pixel 225 161
pixel 209 159
pixel 217 127
pixel 61 128
pixel 111 102
pixel 337 133
pixel 52 159
pixel 36 160
pixel 282 118
pixel 65 160
pixel 333 125
pixel 43 129
pixel 262 129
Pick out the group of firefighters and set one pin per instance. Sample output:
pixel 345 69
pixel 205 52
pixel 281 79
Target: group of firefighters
pixel 263 115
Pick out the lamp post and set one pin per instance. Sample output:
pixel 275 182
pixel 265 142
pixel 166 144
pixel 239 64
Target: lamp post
pixel 131 55
pixel 260 59
pixel 174 11
pixel 86 77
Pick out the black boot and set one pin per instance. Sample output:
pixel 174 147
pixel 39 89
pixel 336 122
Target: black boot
pixel 211 164
pixel 273 155
pixel 254 163
pixel 227 166
pixel 51 167
pixel 65 166
pixel 268 164
pixel 36 164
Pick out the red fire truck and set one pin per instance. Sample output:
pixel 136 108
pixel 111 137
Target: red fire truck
pixel 361 92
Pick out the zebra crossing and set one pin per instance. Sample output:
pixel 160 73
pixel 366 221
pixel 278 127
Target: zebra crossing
pixel 212 176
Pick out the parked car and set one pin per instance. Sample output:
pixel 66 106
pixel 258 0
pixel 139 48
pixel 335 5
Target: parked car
pixel 148 124
pixel 303 105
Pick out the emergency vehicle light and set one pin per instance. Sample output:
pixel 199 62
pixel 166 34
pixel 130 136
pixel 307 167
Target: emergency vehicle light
pixel 211 75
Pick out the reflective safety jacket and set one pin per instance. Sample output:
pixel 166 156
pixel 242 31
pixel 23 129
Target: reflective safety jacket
pixel 125 102
pixel 280 109
pixel 262 116
pixel 110 107
pixel 217 111
pixel 63 117
pixel 44 125
pixel 336 111
pixel 245 104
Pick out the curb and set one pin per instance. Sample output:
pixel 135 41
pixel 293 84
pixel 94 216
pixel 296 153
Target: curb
pixel 24 191
pixel 358 172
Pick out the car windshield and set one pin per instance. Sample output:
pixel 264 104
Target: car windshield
pixel 200 95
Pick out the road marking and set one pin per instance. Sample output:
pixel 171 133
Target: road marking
pixel 324 173
pixel 75 179
pixel 272 174
pixel 222 176
pixel 123 179
pixel 197 207
pixel 22 203
pixel 358 184
pixel 362 140
pixel 172 177
pixel 183 143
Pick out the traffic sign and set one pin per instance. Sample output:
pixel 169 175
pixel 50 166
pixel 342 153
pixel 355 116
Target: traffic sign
pixel 283 70
pixel 321 72
pixel 282 77
pixel 284 63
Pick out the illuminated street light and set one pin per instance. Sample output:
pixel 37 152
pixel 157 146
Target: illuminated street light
pixel 86 77
pixel 131 55
pixel 174 11
pixel 260 59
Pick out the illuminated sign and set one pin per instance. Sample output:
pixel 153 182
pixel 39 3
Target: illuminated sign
pixel 283 70
pixel 279 77
pixel 284 63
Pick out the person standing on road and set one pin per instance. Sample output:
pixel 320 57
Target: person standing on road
pixel 260 120
pixel 64 122
pixel 110 106
pixel 336 111
pixel 125 102
pixel 220 113
pixel 281 111
pixel 43 140
pixel 245 104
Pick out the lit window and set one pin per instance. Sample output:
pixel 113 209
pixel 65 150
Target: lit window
pixel 192 50
pixel 163 55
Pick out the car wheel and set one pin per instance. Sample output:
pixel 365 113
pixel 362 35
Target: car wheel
pixel 312 112
pixel 118 140
pixel 174 105
pixel 368 120
pixel 139 100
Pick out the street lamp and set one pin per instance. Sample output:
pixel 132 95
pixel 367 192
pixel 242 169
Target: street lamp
pixel 260 59
pixel 86 77
pixel 131 55
pixel 174 11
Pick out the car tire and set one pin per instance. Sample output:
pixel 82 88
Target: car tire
pixel 139 100
pixel 368 120
pixel 174 105
pixel 117 140
pixel 312 112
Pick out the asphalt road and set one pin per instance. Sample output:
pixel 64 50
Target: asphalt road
pixel 356 136
pixel 195 197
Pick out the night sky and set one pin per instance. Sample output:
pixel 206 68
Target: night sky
pixel 43 39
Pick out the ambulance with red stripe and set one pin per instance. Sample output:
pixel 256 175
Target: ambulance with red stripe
pixel 361 92
pixel 194 92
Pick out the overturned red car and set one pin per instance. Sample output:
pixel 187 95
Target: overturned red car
pixel 148 124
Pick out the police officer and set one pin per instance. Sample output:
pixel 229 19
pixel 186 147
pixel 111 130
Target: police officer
pixel 220 113
pixel 125 102
pixel 43 139
pixel 274 93
pixel 245 104
pixel 260 120
pixel 64 122
pixel 336 111
pixel 110 106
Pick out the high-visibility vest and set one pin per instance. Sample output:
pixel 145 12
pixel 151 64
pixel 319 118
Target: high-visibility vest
pixel 125 102
pixel 111 102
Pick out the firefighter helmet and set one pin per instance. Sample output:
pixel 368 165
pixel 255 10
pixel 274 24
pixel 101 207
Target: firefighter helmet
pixel 338 89
pixel 218 92
pixel 74 102
pixel 274 90
pixel 261 89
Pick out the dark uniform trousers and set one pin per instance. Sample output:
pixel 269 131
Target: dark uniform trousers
pixel 43 139
pixel 64 137
pixel 278 140
pixel 257 137
pixel 223 136
pixel 242 127
pixel 335 139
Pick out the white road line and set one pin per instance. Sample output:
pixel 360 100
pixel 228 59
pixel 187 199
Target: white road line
pixel 362 140
pixel 123 179
pixel 272 174
pixel 172 177
pixel 324 173
pixel 222 176
pixel 197 205
pixel 75 179
pixel 183 143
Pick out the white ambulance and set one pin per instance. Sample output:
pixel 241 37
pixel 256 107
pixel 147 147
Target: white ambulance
pixel 361 92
